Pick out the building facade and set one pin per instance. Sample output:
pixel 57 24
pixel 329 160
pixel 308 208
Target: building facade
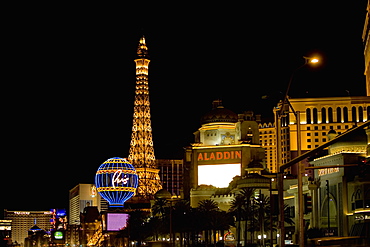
pixel 268 142
pixel 226 145
pixel 81 196
pixel 317 117
pixel 171 173
pixel 5 231
pixel 341 197
pixel 22 221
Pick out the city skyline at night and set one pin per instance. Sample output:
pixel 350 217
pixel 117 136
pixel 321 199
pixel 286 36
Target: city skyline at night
pixel 69 104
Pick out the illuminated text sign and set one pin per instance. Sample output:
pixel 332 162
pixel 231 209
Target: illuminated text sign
pixel 117 178
pixel 22 213
pixel 225 155
pixel 58 235
pixel 326 171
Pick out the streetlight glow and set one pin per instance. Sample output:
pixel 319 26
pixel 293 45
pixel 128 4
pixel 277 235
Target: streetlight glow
pixel 314 60
pixel 311 59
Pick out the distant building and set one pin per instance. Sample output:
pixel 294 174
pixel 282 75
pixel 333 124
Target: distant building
pixel 91 227
pixel 73 235
pixel 268 141
pixel 81 196
pixel 171 173
pixel 22 221
pixel 37 237
pixel 5 230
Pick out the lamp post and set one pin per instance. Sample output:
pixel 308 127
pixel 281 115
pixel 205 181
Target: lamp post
pixel 280 113
pixel 328 196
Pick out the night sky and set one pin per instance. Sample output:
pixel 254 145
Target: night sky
pixel 68 79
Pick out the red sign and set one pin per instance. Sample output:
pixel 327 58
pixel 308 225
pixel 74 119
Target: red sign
pixel 226 155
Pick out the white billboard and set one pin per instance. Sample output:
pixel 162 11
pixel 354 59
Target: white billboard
pixel 219 175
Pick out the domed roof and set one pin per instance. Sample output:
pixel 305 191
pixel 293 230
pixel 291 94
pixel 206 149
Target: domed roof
pixel 332 132
pixel 219 114
pixel 35 228
pixel 163 194
pixel 255 164
pixel 353 143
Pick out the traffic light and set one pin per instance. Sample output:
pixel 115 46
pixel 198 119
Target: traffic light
pixel 307 203
pixel 364 167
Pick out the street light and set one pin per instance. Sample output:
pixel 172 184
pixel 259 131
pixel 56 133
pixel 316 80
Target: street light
pixel 315 60
pixel 311 60
pixel 308 60
pixel 280 114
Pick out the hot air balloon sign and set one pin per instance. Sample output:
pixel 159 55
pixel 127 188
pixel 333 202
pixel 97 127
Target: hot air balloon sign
pixel 116 181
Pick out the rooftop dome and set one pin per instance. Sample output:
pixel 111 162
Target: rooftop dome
pixel 162 194
pixel 350 144
pixel 35 229
pixel 219 114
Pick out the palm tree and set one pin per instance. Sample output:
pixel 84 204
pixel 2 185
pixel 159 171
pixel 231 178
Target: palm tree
pixel 138 227
pixel 159 207
pixel 261 212
pixel 207 209
pixel 160 221
pixel 247 194
pixel 241 209
pixel 213 219
pixel 261 219
pixel 182 219
pixel 238 210
pixel 220 221
pixel 207 205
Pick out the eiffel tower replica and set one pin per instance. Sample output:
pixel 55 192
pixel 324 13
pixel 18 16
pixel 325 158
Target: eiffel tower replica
pixel 141 153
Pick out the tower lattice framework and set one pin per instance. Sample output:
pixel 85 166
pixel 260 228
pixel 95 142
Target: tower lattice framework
pixel 141 153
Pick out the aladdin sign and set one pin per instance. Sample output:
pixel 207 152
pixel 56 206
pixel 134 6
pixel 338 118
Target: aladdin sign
pixel 219 156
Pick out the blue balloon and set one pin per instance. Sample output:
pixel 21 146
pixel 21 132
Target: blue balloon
pixel 116 181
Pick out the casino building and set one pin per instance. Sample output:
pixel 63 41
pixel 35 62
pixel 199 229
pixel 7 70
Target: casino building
pixel 341 195
pixel 318 116
pixel 226 145
pixel 81 196
pixel 22 221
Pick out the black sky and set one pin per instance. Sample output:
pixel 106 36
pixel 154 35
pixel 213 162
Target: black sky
pixel 69 77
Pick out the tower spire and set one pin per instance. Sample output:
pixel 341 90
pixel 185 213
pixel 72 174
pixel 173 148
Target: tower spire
pixel 141 148
pixel 142 49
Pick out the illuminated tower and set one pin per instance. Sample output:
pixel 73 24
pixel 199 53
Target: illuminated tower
pixel 141 148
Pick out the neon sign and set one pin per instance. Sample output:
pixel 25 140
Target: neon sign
pixel 226 155
pixel 326 171
pixel 58 235
pixel 116 181
pixel 229 236
pixel 93 191
pixel 21 213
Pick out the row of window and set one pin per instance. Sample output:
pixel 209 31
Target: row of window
pixel 342 116
pixel 317 140
pixel 323 127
